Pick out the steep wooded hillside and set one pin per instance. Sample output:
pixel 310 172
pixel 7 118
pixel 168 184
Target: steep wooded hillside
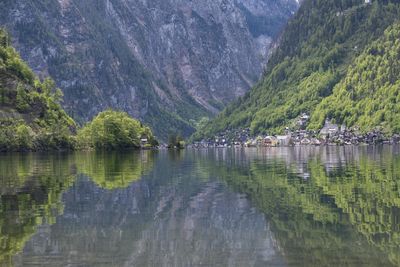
pixel 369 95
pixel 30 114
pixel 316 52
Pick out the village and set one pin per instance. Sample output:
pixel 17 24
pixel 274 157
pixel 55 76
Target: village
pixel 330 135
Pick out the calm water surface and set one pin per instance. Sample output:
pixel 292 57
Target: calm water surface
pixel 334 206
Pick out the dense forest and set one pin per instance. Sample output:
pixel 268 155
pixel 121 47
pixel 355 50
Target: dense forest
pixel 31 117
pixel 325 54
pixel 368 96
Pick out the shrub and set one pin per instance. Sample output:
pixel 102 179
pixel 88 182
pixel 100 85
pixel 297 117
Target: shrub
pixel 24 137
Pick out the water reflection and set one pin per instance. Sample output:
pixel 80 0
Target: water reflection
pixel 169 217
pixel 327 206
pixel 112 170
pixel 31 188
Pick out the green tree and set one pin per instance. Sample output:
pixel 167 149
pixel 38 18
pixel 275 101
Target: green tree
pixel 113 130
pixel 24 136
pixel 22 99
pixel 176 141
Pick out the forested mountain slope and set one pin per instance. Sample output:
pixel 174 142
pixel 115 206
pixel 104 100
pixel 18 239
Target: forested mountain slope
pixel 166 62
pixel 369 95
pixel 30 114
pixel 326 44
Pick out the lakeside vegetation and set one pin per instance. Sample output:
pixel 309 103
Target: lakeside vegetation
pixel 176 141
pixel 112 130
pixel 32 119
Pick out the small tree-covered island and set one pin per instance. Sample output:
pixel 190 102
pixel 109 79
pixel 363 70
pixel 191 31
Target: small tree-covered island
pixel 32 119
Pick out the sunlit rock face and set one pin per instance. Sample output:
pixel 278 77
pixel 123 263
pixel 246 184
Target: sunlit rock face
pixel 148 57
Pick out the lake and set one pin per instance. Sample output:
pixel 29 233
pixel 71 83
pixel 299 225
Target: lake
pixel 299 206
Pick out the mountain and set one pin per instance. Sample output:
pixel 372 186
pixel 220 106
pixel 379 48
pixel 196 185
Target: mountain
pixel 166 62
pixel 326 51
pixel 30 114
pixel 368 96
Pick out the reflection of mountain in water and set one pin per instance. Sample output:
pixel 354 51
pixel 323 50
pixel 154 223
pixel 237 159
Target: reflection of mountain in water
pixel 160 220
pixel 335 206
pixel 214 228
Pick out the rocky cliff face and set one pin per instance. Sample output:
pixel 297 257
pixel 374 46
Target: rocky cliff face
pixel 167 62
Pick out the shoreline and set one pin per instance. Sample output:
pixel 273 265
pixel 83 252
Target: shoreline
pixel 190 147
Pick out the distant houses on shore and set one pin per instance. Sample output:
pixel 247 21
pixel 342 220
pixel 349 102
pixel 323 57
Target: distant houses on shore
pixel 330 134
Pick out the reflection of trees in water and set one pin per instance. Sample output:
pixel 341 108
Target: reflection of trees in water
pixel 369 194
pixel 112 170
pixel 31 188
pixel 345 212
pixel 168 218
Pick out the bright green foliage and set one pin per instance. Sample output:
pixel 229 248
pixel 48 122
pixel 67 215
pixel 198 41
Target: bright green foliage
pixel 314 54
pixel 114 130
pixel 24 136
pixel 11 62
pixel 16 135
pixel 22 100
pixel 369 95
pixel 31 117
